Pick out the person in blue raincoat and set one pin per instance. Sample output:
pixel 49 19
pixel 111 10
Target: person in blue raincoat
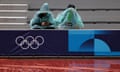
pixel 69 19
pixel 43 19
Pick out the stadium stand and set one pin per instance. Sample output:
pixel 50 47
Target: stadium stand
pixel 13 14
pixel 96 14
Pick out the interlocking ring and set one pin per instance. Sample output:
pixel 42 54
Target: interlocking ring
pixel 29 42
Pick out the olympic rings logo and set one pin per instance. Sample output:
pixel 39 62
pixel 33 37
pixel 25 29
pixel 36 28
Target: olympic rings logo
pixel 29 42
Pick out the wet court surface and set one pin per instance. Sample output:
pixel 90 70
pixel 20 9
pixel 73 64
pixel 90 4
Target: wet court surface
pixel 59 65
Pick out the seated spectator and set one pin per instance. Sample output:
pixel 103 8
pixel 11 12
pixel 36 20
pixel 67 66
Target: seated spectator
pixel 43 19
pixel 69 19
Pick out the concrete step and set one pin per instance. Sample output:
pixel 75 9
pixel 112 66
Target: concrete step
pixel 14 26
pixel 87 26
pixel 6 19
pixel 80 4
pixel 14 1
pixel 91 16
pixel 13 13
pixel 13 6
pixel 102 26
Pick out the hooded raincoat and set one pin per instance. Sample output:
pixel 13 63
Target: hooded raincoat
pixel 69 19
pixel 35 23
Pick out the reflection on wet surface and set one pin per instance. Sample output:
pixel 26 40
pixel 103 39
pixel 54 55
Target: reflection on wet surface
pixel 59 65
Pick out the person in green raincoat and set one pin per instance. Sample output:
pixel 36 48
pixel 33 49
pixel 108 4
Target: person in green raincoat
pixel 69 19
pixel 43 19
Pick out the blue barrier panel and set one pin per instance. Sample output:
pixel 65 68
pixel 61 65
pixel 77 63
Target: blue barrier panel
pixel 59 43
pixel 100 42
